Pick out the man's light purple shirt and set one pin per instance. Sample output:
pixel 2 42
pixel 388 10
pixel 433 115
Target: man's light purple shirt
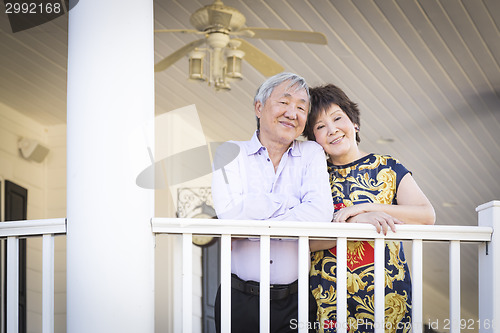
pixel 299 190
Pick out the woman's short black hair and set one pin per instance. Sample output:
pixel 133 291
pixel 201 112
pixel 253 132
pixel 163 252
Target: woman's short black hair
pixel 322 98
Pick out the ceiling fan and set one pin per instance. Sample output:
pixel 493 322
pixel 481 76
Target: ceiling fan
pixel 218 24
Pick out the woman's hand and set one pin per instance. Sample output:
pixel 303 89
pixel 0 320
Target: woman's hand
pixel 382 221
pixel 345 213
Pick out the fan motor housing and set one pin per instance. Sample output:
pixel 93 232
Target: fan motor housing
pixel 217 16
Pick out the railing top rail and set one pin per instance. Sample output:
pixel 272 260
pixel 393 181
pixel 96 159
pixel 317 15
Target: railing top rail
pixel 318 229
pixel 487 205
pixel 33 227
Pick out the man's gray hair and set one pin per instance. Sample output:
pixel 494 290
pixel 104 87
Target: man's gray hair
pixel 265 90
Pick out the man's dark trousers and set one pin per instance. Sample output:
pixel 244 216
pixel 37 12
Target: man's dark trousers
pixel 245 313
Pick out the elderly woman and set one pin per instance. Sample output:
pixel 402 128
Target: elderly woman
pixel 366 188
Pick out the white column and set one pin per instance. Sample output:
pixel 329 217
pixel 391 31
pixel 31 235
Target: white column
pixel 489 269
pixel 110 246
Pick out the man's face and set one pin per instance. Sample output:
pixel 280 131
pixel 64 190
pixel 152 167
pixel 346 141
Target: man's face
pixel 283 116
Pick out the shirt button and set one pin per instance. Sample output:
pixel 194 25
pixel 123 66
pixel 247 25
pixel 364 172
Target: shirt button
pixel 271 261
pixel 268 160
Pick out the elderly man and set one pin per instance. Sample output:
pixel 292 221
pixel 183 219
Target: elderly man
pixel 274 177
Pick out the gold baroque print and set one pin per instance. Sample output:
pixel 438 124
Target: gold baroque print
pixel 387 180
pixel 379 160
pixel 377 183
pixel 395 310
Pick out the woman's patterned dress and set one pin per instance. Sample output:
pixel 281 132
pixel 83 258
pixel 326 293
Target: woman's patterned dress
pixel 373 178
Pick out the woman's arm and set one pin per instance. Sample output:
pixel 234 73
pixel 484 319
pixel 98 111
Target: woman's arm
pixel 413 206
pixel 316 245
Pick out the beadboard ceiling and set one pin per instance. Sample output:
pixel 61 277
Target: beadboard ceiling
pixel 426 75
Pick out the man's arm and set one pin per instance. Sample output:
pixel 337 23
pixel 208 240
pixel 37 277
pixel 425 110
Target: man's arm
pixel 316 204
pixel 231 197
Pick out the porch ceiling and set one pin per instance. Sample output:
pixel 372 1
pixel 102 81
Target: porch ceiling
pixel 426 73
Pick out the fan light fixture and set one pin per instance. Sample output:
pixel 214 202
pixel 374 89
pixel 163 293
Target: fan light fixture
pixel 221 69
pixel 233 63
pixel 218 23
pixel 196 59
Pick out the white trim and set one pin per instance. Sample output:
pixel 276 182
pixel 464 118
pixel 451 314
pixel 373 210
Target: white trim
pixel 33 227
pixel 318 229
pixel 490 204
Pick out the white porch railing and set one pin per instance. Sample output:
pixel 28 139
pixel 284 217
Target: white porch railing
pixel 489 263
pixel 13 231
pixel 489 217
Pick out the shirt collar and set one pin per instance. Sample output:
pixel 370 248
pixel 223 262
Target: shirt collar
pixel 254 146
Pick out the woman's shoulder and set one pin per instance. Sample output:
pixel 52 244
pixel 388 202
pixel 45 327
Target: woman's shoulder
pixel 388 161
pixel 386 158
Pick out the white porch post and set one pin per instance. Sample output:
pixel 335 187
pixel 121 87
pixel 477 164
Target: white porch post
pixel 110 246
pixel 489 269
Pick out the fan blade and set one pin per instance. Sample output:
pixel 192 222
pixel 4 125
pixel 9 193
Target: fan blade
pixel 184 31
pixel 174 57
pixel 258 59
pixel 284 34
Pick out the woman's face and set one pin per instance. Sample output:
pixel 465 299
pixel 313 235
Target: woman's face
pixel 336 133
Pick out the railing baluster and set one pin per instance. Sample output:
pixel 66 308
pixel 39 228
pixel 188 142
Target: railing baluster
pixel 187 282
pixel 454 286
pixel 264 301
pixel 3 282
pixel 12 284
pixel 48 284
pixel 379 285
pixel 303 296
pixel 225 276
pixel 341 281
pixel 417 286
